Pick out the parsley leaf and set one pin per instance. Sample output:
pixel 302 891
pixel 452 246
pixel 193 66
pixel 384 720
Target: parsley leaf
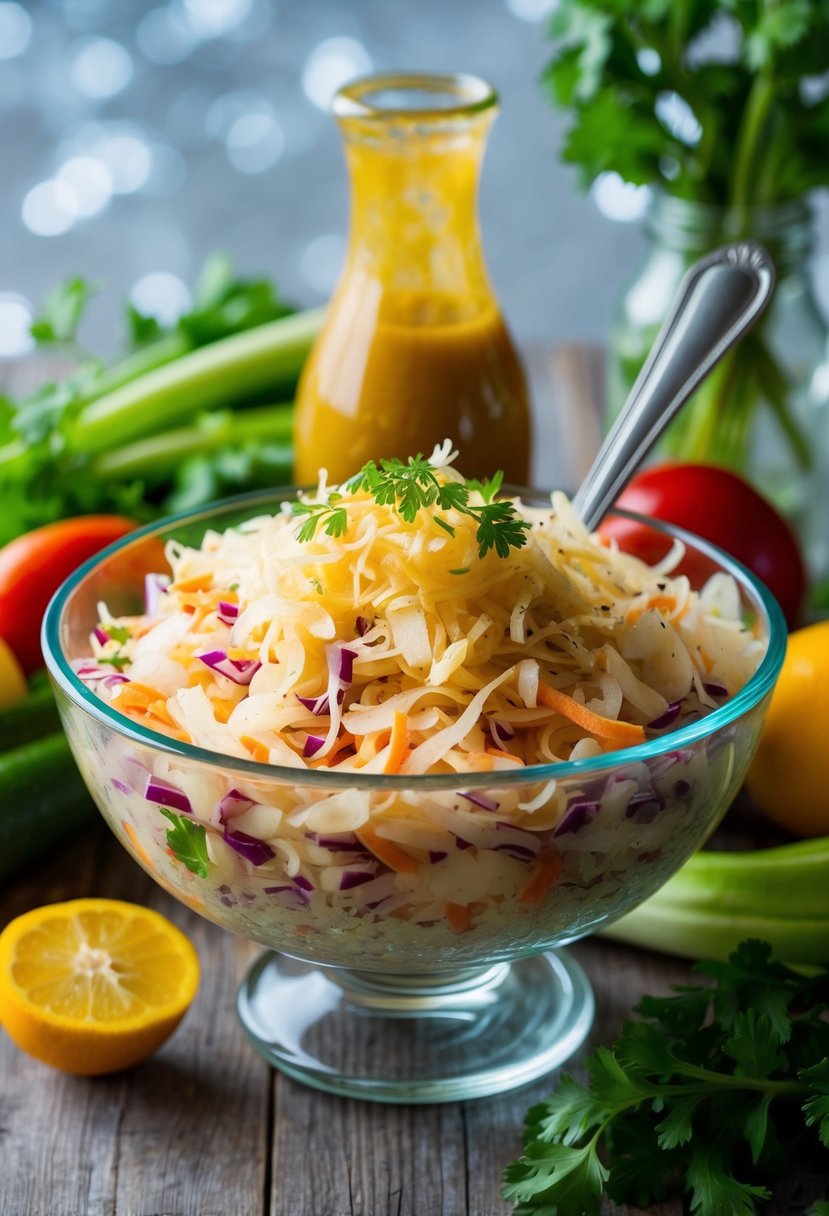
pixel 621 68
pixel 333 517
pixel 413 486
pixel 571 1178
pixel 489 487
pixel 817 1107
pixel 188 842
pixel 682 1093
pixel 715 1191
pixel 499 528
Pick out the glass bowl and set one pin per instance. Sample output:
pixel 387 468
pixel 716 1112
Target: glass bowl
pixel 427 980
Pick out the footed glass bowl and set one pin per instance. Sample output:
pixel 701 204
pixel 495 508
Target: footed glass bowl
pixel 408 982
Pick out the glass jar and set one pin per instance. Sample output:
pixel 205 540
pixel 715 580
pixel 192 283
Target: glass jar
pixel 414 348
pixel 764 411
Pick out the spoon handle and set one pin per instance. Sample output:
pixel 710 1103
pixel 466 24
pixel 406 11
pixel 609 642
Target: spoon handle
pixel 718 301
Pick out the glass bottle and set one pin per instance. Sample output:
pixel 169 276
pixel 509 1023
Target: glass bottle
pixel 414 348
pixel 764 411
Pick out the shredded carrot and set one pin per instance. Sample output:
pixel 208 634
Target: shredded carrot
pixel 196 582
pixel 344 741
pixel 545 871
pixel 404 912
pixel 594 724
pixel 138 848
pixel 136 696
pixel 666 602
pixel 458 917
pixel 221 709
pixel 257 749
pixel 387 851
pixel 398 743
pixel 159 710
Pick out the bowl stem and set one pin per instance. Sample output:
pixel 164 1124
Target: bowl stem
pixel 416 1038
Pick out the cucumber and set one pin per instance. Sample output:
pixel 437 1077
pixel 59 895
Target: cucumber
pixel 32 718
pixel 43 800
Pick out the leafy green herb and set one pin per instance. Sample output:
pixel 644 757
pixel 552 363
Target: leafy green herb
pixel 698 1093
pixel 716 102
pixel 334 518
pixel 652 101
pixel 188 842
pixel 413 486
pixel 118 633
pixel 487 488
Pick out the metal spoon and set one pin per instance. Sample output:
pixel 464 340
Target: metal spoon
pixel 718 301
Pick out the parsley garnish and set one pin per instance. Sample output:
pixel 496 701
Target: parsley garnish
pixel 687 1095
pixel 334 517
pixel 413 486
pixel 188 842
pixel 118 633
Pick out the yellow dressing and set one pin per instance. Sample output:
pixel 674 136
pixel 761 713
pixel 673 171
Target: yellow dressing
pixel 414 347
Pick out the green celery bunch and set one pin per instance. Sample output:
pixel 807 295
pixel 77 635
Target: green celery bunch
pixel 188 412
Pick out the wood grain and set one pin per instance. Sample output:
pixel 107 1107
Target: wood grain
pixel 205 1129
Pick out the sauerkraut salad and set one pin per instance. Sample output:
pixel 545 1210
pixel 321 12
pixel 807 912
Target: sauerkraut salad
pixel 393 640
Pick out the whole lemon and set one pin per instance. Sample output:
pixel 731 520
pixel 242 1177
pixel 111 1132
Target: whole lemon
pixel 789 776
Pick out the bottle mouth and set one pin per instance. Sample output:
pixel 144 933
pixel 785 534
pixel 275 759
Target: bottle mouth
pixel 419 96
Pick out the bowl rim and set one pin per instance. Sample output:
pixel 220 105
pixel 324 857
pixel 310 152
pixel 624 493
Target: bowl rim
pixel 332 781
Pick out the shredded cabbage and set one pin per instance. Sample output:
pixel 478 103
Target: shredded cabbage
pixel 396 648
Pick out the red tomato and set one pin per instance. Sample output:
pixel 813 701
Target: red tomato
pixel 719 506
pixel 33 566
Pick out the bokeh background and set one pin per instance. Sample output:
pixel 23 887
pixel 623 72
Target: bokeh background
pixel 139 137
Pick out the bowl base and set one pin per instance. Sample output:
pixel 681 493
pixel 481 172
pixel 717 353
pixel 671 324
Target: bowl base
pixel 426 1038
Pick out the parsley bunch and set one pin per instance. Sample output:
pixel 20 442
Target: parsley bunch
pixel 696 1093
pixel 714 100
pixel 413 486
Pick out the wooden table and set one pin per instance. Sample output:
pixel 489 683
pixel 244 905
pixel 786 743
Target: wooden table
pixel 205 1127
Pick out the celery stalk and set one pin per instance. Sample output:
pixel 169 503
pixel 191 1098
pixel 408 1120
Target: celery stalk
pixel 158 456
pixel 716 899
pixel 673 929
pixel 258 360
pixel 791 880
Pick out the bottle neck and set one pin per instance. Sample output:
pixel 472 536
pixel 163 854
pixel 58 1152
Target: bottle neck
pixel 697 228
pixel 414 232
